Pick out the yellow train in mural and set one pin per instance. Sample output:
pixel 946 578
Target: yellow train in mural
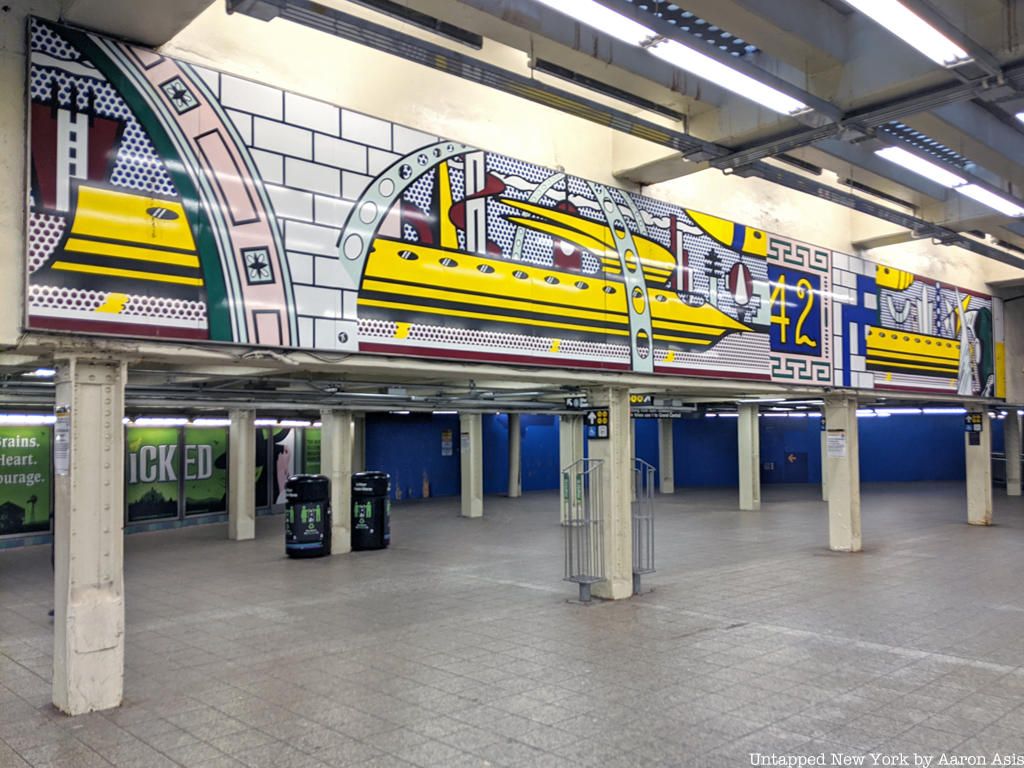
pixel 913 353
pixel 408 281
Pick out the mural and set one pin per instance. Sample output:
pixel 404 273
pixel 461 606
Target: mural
pixel 168 200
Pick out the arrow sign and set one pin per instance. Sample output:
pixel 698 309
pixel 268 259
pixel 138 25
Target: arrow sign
pixel 791 458
pixel 591 418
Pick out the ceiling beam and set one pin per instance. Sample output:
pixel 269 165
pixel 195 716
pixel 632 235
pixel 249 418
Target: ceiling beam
pixel 148 22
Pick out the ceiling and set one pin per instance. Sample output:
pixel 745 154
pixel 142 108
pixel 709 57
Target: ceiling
pixel 865 87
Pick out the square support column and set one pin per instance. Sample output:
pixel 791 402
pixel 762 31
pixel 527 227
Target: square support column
pixel 359 442
pixel 570 450
pixel 337 445
pixel 843 468
pixel 515 456
pixel 1011 448
pixel 617 491
pixel 471 462
pixel 666 457
pixel 241 475
pixel 824 461
pixel 88 632
pixel 979 471
pixel 749 436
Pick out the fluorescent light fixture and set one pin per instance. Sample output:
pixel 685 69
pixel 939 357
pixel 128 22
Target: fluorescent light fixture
pixel 913 30
pixel 27 419
pixel 623 28
pixel 317 424
pixel 991 199
pixel 293 423
pixel 265 422
pixel 763 400
pixel 863 413
pixel 798 415
pixel 444 413
pixel 774 415
pixel 714 71
pixel 944 411
pixel 603 19
pixel 209 422
pixel 399 413
pixel 920 166
pixel 160 421
pixel 899 411
pixel 41 373
pixel 728 415
pixel 710 415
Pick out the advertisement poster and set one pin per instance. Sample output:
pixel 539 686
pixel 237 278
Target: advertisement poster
pixel 206 470
pixel 25 479
pixel 151 476
pixel 275 462
pixel 312 451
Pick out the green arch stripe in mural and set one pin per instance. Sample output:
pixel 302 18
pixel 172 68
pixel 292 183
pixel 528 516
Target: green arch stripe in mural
pixel 218 316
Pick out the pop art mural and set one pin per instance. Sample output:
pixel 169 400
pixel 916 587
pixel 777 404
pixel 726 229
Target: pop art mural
pixel 168 200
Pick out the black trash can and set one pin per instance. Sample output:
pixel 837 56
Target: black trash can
pixel 307 516
pixel 371 510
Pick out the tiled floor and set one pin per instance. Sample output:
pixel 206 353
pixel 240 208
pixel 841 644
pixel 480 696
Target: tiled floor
pixel 457 647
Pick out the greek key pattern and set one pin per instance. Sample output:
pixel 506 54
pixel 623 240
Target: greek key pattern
pixel 793 368
pixel 796 254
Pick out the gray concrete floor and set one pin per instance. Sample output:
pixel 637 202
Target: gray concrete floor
pixel 457 647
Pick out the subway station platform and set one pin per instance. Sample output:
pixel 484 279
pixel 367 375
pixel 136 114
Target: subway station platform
pixel 459 645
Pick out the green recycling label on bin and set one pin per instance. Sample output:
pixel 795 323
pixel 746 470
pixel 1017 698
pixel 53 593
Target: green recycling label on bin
pixel 364 511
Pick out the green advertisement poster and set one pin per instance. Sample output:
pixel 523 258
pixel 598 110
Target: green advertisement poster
pixel 206 470
pixel 312 451
pixel 151 474
pixel 25 479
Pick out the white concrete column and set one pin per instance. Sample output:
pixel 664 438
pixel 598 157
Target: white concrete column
pixel 749 456
pixel 471 458
pixel 241 479
pixel 359 442
pixel 515 457
pixel 1011 447
pixel 979 471
pixel 843 460
pixel 616 492
pixel 666 457
pixel 88 632
pixel 570 450
pixel 824 461
pixel 337 447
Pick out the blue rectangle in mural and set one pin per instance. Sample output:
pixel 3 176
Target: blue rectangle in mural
pixel 795 311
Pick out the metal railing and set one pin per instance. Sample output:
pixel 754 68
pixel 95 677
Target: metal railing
pixel 642 513
pixel 999 467
pixel 584 550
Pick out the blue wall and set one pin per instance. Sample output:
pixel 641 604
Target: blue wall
pixel 705 452
pixel 409 448
pixel 901 448
pixel 904 448
pixel 539 470
pixel 791 450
